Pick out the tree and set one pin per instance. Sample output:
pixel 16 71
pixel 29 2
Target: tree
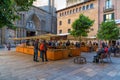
pixel 81 26
pixel 108 31
pixel 9 10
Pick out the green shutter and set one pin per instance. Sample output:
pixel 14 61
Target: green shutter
pixel 104 17
pixel 113 16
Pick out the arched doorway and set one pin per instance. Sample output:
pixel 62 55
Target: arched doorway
pixel 32 25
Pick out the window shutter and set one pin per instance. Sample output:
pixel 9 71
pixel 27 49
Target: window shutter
pixel 104 17
pixel 113 16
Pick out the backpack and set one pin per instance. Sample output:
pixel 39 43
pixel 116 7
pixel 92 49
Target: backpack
pixel 42 47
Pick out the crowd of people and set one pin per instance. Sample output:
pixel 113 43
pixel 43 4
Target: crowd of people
pixel 43 45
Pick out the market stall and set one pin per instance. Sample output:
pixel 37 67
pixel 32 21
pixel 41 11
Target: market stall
pixel 52 53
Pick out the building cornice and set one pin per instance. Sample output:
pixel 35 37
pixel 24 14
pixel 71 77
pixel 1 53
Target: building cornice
pixel 74 6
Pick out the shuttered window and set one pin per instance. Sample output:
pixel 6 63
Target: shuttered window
pixel 108 16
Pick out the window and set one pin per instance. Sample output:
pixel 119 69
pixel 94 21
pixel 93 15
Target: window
pixel 91 29
pixel 83 8
pixel 70 11
pixel 87 7
pixel 73 10
pixel 79 8
pixel 60 23
pixel 76 9
pixel 67 12
pixel 69 30
pixel 69 21
pixel 60 14
pixel 23 19
pixel 91 6
pixel 60 31
pixel 108 16
pixel 20 18
pixel 108 4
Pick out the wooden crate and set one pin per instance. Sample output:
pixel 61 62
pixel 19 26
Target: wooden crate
pixel 54 54
pixel 84 49
pixel 19 49
pixel 75 51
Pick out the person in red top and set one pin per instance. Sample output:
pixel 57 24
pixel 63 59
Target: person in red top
pixel 43 51
pixel 106 49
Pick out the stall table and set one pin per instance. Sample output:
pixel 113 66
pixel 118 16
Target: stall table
pixel 52 54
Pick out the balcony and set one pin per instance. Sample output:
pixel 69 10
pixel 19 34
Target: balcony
pixel 108 9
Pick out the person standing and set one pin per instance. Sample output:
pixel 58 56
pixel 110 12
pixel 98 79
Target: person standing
pixel 43 50
pixel 35 58
pixel 68 43
pixel 90 46
pixel 9 46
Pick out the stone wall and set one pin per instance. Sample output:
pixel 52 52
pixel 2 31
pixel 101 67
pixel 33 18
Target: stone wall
pixel 43 21
pixel 91 13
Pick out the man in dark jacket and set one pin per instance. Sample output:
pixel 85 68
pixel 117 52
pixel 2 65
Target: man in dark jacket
pixel 35 58
pixel 45 46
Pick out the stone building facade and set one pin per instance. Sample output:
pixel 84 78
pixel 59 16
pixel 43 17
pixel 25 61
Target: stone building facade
pixel 108 10
pixel 66 16
pixel 34 22
pixel 98 10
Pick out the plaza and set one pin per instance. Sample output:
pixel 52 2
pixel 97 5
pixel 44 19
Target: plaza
pixel 23 58
pixel 19 66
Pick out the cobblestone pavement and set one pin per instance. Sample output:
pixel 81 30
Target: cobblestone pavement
pixel 6 50
pixel 19 66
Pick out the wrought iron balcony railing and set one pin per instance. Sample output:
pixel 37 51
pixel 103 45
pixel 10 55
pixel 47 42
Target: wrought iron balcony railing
pixel 108 8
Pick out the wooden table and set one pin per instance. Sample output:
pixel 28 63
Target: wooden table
pixel 52 54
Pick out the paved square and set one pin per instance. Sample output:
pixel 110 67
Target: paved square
pixel 19 66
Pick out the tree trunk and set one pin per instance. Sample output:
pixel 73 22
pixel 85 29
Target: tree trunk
pixel 80 39
pixel 110 42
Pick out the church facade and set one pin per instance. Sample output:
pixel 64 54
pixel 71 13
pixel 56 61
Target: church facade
pixel 34 22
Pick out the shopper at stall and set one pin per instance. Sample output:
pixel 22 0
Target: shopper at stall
pixel 9 46
pixel 68 43
pixel 43 50
pixel 35 58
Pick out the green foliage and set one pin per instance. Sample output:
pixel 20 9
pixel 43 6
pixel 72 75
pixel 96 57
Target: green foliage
pixel 9 10
pixel 23 4
pixel 108 31
pixel 81 26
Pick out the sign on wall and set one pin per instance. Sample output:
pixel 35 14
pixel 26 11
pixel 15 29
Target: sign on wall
pixel 117 21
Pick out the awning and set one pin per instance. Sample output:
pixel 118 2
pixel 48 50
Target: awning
pixel 44 36
pixel 64 34
pixel 90 37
